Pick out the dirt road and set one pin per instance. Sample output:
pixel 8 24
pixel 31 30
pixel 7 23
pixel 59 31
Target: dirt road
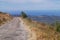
pixel 13 30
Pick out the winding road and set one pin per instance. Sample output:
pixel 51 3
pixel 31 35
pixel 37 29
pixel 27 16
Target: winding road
pixel 13 30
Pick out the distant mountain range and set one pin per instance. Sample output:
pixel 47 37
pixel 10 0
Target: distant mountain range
pixel 45 18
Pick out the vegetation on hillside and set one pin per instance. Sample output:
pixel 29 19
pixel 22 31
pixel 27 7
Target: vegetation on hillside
pixel 4 17
pixel 42 30
pixel 57 25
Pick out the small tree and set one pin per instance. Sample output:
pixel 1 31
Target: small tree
pixel 23 14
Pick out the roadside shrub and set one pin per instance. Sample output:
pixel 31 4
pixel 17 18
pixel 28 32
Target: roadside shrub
pixel 57 26
pixel 1 21
pixel 23 14
pixel 43 24
pixel 4 19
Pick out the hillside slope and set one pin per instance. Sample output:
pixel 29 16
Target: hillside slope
pixel 40 30
pixel 4 17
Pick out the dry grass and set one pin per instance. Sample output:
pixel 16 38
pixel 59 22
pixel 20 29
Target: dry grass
pixel 43 31
pixel 4 17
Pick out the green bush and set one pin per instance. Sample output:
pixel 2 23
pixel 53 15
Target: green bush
pixel 57 26
pixel 23 14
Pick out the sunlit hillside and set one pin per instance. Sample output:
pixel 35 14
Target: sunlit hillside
pixel 4 17
pixel 42 31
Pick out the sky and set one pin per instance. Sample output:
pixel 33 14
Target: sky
pixel 6 5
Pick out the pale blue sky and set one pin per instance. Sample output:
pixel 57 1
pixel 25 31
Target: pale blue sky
pixel 29 5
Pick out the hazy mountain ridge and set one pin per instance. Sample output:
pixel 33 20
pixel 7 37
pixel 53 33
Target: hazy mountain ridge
pixel 45 18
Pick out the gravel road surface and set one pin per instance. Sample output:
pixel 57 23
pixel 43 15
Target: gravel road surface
pixel 13 30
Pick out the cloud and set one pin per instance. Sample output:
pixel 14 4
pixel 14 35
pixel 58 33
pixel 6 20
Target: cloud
pixel 14 1
pixel 29 4
pixel 27 1
pixel 30 1
pixel 23 1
